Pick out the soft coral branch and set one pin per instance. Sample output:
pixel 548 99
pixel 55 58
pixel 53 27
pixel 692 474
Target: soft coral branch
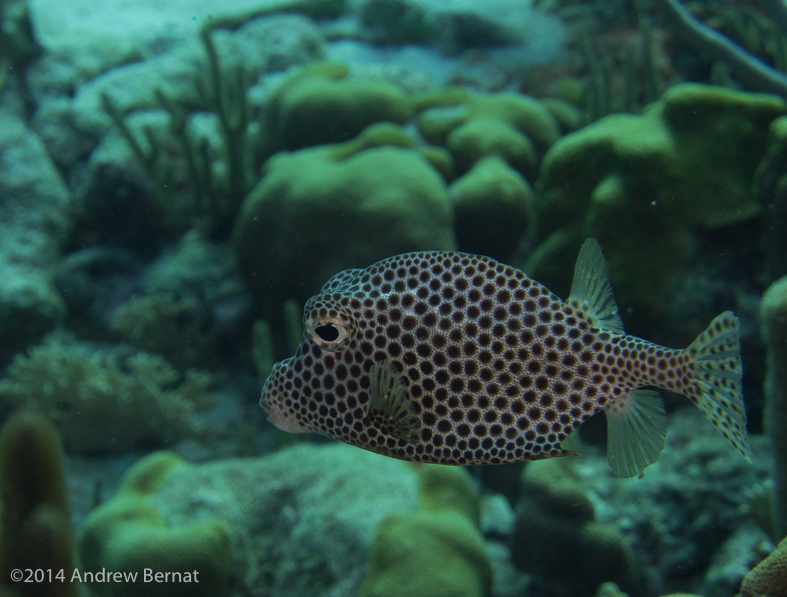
pixel 747 67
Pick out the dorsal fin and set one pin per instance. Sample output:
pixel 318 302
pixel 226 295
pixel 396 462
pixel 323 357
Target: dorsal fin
pixel 591 291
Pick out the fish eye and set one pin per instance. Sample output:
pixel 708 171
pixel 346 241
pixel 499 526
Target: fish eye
pixel 328 335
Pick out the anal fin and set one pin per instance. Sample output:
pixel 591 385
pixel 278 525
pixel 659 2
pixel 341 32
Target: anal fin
pixel 636 431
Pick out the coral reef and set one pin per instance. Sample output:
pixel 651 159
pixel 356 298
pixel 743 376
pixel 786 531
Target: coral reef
pixel 437 552
pixel 18 44
pixel 685 535
pixel 458 27
pixel 35 518
pixel 516 128
pixel 215 199
pixel 127 534
pixel 190 306
pixel 106 400
pixel 155 149
pixel 746 66
pixel 770 189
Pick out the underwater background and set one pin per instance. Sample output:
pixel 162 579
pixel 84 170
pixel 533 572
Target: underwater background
pixel 177 179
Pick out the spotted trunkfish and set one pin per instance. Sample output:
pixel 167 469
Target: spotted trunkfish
pixel 451 358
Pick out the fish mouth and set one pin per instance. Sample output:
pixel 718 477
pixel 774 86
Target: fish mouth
pixel 283 419
pixel 277 372
pixel 272 403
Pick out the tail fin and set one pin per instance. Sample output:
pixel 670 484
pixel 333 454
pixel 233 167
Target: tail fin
pixel 715 383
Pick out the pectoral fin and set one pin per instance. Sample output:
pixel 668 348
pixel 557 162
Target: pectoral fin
pixel 390 400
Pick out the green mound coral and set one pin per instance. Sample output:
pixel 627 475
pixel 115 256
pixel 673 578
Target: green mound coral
pixel 497 142
pixel 436 552
pixel 321 210
pixel 128 535
pixel 106 400
pixel 322 103
pixel 517 128
pixel 493 208
pixel 35 518
pixel 641 184
pixel 556 531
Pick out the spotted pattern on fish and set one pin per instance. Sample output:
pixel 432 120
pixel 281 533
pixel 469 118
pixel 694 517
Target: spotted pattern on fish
pixel 453 358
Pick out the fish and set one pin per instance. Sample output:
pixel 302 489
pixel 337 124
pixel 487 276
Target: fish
pixel 452 358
